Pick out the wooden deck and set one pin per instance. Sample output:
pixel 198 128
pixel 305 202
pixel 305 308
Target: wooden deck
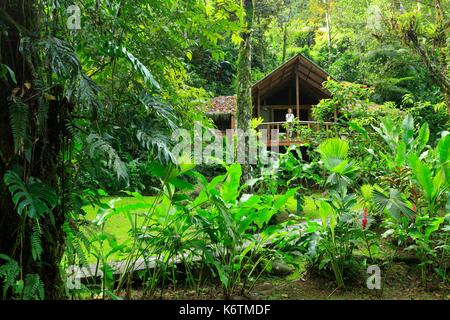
pixel 279 129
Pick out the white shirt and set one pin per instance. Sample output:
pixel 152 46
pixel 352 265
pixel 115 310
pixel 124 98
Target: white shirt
pixel 289 117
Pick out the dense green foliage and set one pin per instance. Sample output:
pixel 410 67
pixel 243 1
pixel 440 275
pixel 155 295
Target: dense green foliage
pixel 90 112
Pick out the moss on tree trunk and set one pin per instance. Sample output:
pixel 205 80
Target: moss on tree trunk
pixel 244 96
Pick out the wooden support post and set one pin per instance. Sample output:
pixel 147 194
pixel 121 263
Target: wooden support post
pixel 297 94
pixel 258 104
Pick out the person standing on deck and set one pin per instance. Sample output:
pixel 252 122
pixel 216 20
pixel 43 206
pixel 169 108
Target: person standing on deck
pixel 289 120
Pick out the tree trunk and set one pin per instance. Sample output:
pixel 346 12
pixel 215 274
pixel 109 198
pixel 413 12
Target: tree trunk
pixel 328 23
pixel 434 60
pixel 244 96
pixel 15 230
pixel 284 42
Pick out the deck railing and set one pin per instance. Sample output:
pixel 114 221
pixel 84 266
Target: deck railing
pixel 283 132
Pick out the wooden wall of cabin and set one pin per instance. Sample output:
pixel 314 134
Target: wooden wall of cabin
pixel 277 103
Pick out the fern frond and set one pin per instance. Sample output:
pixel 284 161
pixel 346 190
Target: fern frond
pixel 18 119
pixel 98 144
pixel 9 272
pixel 141 68
pixel 158 144
pixel 33 287
pixel 158 109
pixel 86 93
pixel 77 244
pixel 42 114
pixel 62 58
pixel 35 241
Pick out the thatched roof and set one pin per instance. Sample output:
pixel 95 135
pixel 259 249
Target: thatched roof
pixel 222 105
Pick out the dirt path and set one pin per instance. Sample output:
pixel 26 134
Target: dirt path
pixel 401 282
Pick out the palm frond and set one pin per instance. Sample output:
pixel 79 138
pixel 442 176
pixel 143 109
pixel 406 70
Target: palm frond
pixel 333 152
pixel 393 202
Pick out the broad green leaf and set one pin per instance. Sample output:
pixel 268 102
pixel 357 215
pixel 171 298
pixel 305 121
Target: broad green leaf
pixel 422 173
pixel 325 210
pixel 400 157
pixel 422 138
pixel 181 184
pixel 408 129
pixel 358 129
pixel 443 153
pixel 5 70
pixel 33 198
pixel 230 187
pixel 433 226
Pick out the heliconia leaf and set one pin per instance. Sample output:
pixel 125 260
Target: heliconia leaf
pixel 408 129
pixel 358 128
pixel 443 150
pixel 422 138
pixel 422 174
pixel 401 154
pixel 230 187
pixel 438 181
pixel 433 226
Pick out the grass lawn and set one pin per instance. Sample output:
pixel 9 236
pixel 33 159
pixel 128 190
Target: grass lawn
pixel 118 224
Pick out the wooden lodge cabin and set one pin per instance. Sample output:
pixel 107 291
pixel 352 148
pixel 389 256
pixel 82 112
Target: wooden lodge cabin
pixel 297 84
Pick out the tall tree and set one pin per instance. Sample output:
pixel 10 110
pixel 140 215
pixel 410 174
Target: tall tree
pixel 32 127
pixel 244 96
pixel 426 34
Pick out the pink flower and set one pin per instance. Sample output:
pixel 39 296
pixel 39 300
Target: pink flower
pixel 364 220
